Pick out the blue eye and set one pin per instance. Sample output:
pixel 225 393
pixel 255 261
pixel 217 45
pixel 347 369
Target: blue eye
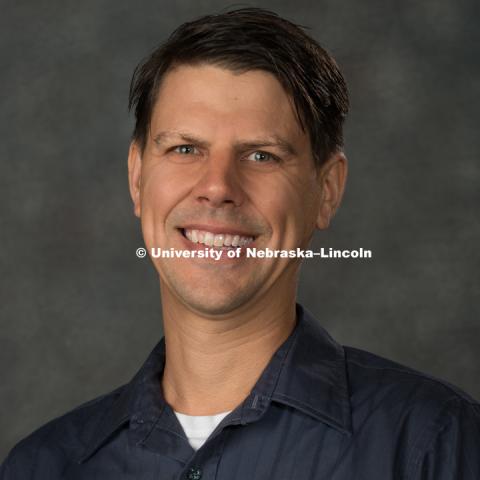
pixel 262 157
pixel 185 149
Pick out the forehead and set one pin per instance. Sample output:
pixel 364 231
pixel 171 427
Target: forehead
pixel 203 96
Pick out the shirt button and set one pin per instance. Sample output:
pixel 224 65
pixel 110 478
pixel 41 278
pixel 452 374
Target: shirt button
pixel 194 473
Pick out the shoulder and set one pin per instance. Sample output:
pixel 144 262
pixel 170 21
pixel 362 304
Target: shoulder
pixel 372 374
pixel 427 416
pixel 58 442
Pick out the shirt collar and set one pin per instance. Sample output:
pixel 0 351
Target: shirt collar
pixel 307 372
pixel 313 378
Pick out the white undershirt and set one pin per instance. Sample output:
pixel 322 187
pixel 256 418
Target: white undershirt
pixel 199 427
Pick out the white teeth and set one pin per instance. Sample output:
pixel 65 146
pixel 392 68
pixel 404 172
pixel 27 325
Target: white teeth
pixel 217 240
pixel 208 240
pixel 190 234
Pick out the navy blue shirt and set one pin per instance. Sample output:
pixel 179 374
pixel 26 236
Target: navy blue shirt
pixel 318 411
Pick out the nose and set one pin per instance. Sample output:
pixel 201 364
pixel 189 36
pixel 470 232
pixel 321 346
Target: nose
pixel 219 183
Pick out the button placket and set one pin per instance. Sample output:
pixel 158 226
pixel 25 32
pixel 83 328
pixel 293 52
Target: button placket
pixel 194 473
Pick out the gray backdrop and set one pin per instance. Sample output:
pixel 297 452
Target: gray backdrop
pixel 79 311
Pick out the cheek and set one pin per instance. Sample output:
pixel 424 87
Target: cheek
pixel 164 184
pixel 287 205
pixel 160 194
pixel 280 202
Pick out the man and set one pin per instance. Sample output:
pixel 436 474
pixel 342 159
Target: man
pixel 238 145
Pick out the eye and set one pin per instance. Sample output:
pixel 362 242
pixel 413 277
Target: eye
pixel 185 149
pixel 262 157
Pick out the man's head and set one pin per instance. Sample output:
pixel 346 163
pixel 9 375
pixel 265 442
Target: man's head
pixel 225 147
pixel 253 39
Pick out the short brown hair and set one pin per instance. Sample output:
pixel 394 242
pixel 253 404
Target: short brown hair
pixel 252 39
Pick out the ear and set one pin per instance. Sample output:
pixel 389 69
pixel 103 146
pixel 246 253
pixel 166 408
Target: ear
pixel 135 176
pixel 331 178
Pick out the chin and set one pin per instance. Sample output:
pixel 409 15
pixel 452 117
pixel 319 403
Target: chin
pixel 209 303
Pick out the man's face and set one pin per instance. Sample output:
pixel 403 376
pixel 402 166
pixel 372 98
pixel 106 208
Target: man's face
pixel 225 155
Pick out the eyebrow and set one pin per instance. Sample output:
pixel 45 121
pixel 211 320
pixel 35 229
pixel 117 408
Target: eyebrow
pixel 184 136
pixel 270 141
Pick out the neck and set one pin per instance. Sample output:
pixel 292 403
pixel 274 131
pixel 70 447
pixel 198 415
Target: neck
pixel 212 363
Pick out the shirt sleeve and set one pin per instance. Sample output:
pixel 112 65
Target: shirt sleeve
pixel 453 449
pixel 5 473
pixel 10 469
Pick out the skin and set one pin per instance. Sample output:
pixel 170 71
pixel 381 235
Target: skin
pixel 224 321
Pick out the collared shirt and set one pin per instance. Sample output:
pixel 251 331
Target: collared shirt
pixel 318 411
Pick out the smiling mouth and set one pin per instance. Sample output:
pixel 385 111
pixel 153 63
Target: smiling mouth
pixel 216 240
